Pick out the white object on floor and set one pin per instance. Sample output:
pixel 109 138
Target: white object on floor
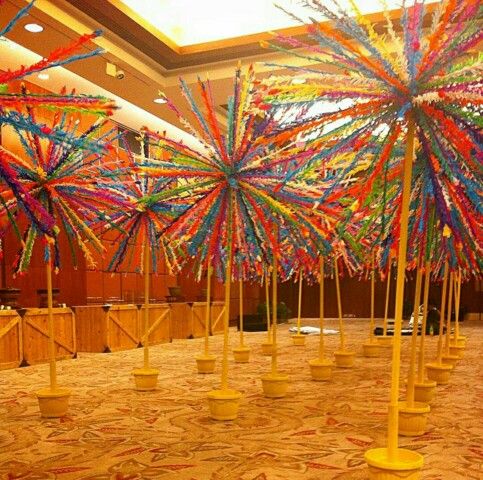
pixel 313 331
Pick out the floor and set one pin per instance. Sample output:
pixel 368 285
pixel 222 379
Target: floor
pixel 319 431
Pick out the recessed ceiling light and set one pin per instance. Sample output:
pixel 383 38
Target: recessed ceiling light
pixel 160 100
pixel 34 28
pixel 43 76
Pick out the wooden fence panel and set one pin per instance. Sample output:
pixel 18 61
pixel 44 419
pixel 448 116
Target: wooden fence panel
pixel 181 320
pixel 11 342
pixel 107 328
pixel 159 323
pixel 217 309
pixel 35 334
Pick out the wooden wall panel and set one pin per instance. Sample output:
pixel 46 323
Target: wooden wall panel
pixel 159 323
pixel 11 340
pixel 355 297
pixel 35 334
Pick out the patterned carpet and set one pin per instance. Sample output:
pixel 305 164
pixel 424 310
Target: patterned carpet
pixel 319 431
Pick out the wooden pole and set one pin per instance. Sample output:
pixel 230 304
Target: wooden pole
pixel 241 314
pixel 321 309
pixel 441 314
pixel 146 302
pixel 226 316
pixel 50 320
pixel 427 281
pixel 414 338
pixel 274 314
pixel 392 431
pixel 299 312
pixel 457 294
pixel 371 325
pixel 339 307
pixel 386 306
pixel 208 309
pixel 267 308
pixel 448 315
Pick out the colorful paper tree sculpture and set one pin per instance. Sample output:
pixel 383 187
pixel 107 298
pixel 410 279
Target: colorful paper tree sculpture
pixel 235 179
pixel 139 224
pixel 12 101
pixel 422 89
pixel 68 182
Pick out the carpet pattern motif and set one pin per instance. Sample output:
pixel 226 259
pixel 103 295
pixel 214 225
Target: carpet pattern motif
pixel 319 431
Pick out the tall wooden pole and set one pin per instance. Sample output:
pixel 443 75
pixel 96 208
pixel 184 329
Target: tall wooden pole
pixel 146 302
pixel 321 309
pixel 448 315
pixel 371 325
pixel 392 431
pixel 241 314
pixel 339 307
pixel 441 314
pixel 226 316
pixel 274 314
pixel 457 294
pixel 299 311
pixel 427 281
pixel 208 309
pixel 50 322
pixel 386 306
pixel 414 338
pixel 267 308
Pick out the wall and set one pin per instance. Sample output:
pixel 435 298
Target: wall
pixel 355 297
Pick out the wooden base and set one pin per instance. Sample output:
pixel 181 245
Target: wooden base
pixel 145 379
pixel 372 349
pixel 321 370
pixel 241 354
pixel 344 358
pixel 205 363
pixel 224 404
pixel 413 419
pixel 298 340
pixel 275 385
pixel 53 403
pixel 406 465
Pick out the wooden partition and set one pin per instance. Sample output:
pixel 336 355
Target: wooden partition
pixel 181 320
pixel 35 334
pixel 198 314
pixel 99 328
pixel 11 342
pixel 107 328
pixel 217 309
pixel 159 323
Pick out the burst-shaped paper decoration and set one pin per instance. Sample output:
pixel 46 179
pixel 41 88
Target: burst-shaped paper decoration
pixel 151 205
pixel 235 179
pixel 12 112
pixel 375 80
pixel 67 181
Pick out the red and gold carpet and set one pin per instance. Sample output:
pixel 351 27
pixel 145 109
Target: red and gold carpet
pixel 319 431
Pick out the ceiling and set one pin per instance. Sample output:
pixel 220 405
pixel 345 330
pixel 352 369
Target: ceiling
pixel 154 53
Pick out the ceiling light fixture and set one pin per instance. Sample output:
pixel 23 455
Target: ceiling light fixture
pixel 43 76
pixel 33 28
pixel 160 100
